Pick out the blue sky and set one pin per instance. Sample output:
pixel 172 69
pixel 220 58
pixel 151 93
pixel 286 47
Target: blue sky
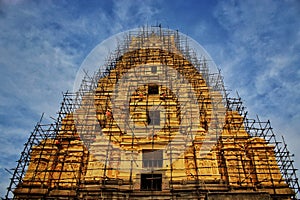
pixel 256 44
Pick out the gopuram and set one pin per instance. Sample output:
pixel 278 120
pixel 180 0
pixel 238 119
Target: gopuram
pixel 154 122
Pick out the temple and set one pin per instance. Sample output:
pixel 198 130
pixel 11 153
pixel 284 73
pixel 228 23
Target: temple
pixel 156 123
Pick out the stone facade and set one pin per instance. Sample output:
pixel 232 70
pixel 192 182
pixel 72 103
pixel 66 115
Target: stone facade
pixel 153 139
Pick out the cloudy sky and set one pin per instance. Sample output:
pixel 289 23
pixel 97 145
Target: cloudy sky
pixel 256 44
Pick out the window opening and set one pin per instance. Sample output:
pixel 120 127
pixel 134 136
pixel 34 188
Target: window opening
pixel 153 69
pixel 151 182
pixel 152 158
pixel 153 117
pixel 153 89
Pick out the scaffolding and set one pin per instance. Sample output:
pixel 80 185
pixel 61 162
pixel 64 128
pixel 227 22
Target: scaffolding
pixel 155 123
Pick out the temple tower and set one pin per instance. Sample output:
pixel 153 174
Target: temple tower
pixel 156 123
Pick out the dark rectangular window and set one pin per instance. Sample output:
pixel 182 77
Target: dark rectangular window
pixel 153 89
pixel 153 117
pixel 151 182
pixel 152 158
pixel 153 69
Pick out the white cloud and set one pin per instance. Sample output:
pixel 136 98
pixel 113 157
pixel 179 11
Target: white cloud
pixel 258 45
pixel 38 62
pixel 141 11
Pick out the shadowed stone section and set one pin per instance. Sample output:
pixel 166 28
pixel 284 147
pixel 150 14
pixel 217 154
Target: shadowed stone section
pixel 239 196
